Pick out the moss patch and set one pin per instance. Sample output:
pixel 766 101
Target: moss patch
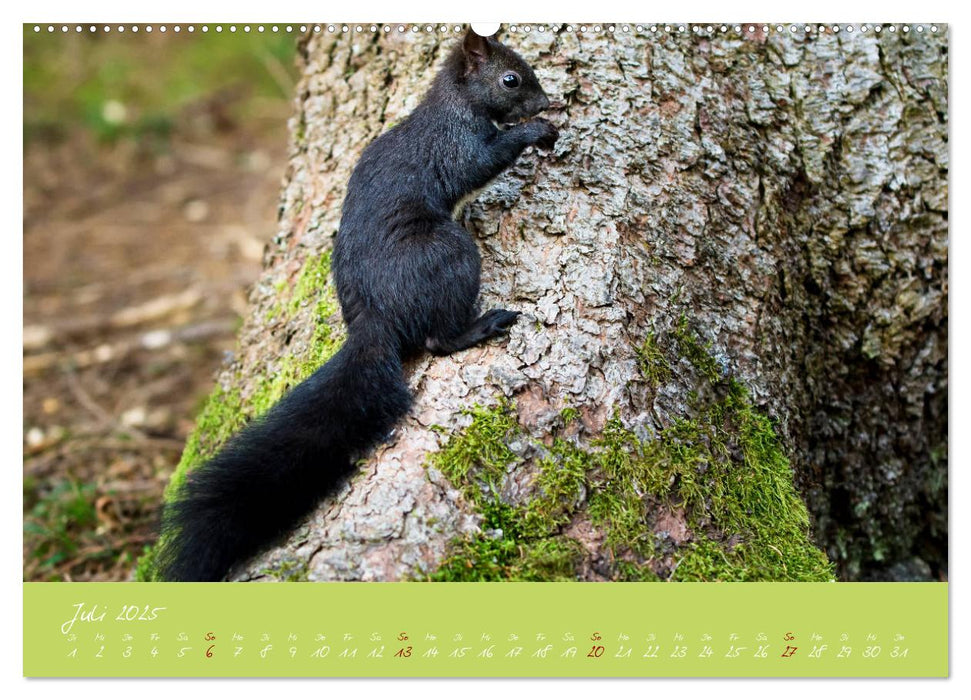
pixel 652 361
pixel 720 468
pixel 227 410
pixel 221 416
pixel 145 567
pixel 504 552
pixel 310 289
pixel 477 460
pixel 695 351
pixel 287 570
pixel 514 543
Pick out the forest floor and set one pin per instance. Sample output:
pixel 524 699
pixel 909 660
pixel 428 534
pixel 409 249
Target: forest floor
pixel 139 248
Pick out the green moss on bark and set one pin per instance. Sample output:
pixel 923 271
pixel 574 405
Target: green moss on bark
pixel 287 570
pixel 226 411
pixel 652 361
pixel 721 469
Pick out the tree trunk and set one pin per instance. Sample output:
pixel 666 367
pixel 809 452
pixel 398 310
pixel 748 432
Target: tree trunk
pixel 732 273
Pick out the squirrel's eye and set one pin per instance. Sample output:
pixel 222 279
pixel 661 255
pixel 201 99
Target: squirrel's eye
pixel 510 80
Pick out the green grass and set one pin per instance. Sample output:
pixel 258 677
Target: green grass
pixel 56 518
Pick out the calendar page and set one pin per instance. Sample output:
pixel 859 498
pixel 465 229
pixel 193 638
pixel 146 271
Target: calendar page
pixel 511 629
pixel 594 349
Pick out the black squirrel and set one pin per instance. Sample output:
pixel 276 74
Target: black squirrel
pixel 407 278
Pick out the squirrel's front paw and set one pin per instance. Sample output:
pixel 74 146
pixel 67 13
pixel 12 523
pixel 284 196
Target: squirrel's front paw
pixel 498 321
pixel 546 133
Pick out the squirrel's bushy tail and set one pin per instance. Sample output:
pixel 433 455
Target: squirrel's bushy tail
pixel 277 468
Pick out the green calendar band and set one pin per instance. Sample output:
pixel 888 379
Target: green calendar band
pixel 487 629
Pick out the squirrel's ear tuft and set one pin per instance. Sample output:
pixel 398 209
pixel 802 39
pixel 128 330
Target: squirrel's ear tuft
pixel 476 49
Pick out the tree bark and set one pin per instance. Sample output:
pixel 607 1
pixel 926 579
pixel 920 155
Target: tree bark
pixel 732 273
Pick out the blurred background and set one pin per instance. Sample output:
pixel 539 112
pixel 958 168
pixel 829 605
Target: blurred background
pixel 152 168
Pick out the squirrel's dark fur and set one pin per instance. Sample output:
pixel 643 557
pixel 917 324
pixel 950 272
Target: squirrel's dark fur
pixel 407 278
